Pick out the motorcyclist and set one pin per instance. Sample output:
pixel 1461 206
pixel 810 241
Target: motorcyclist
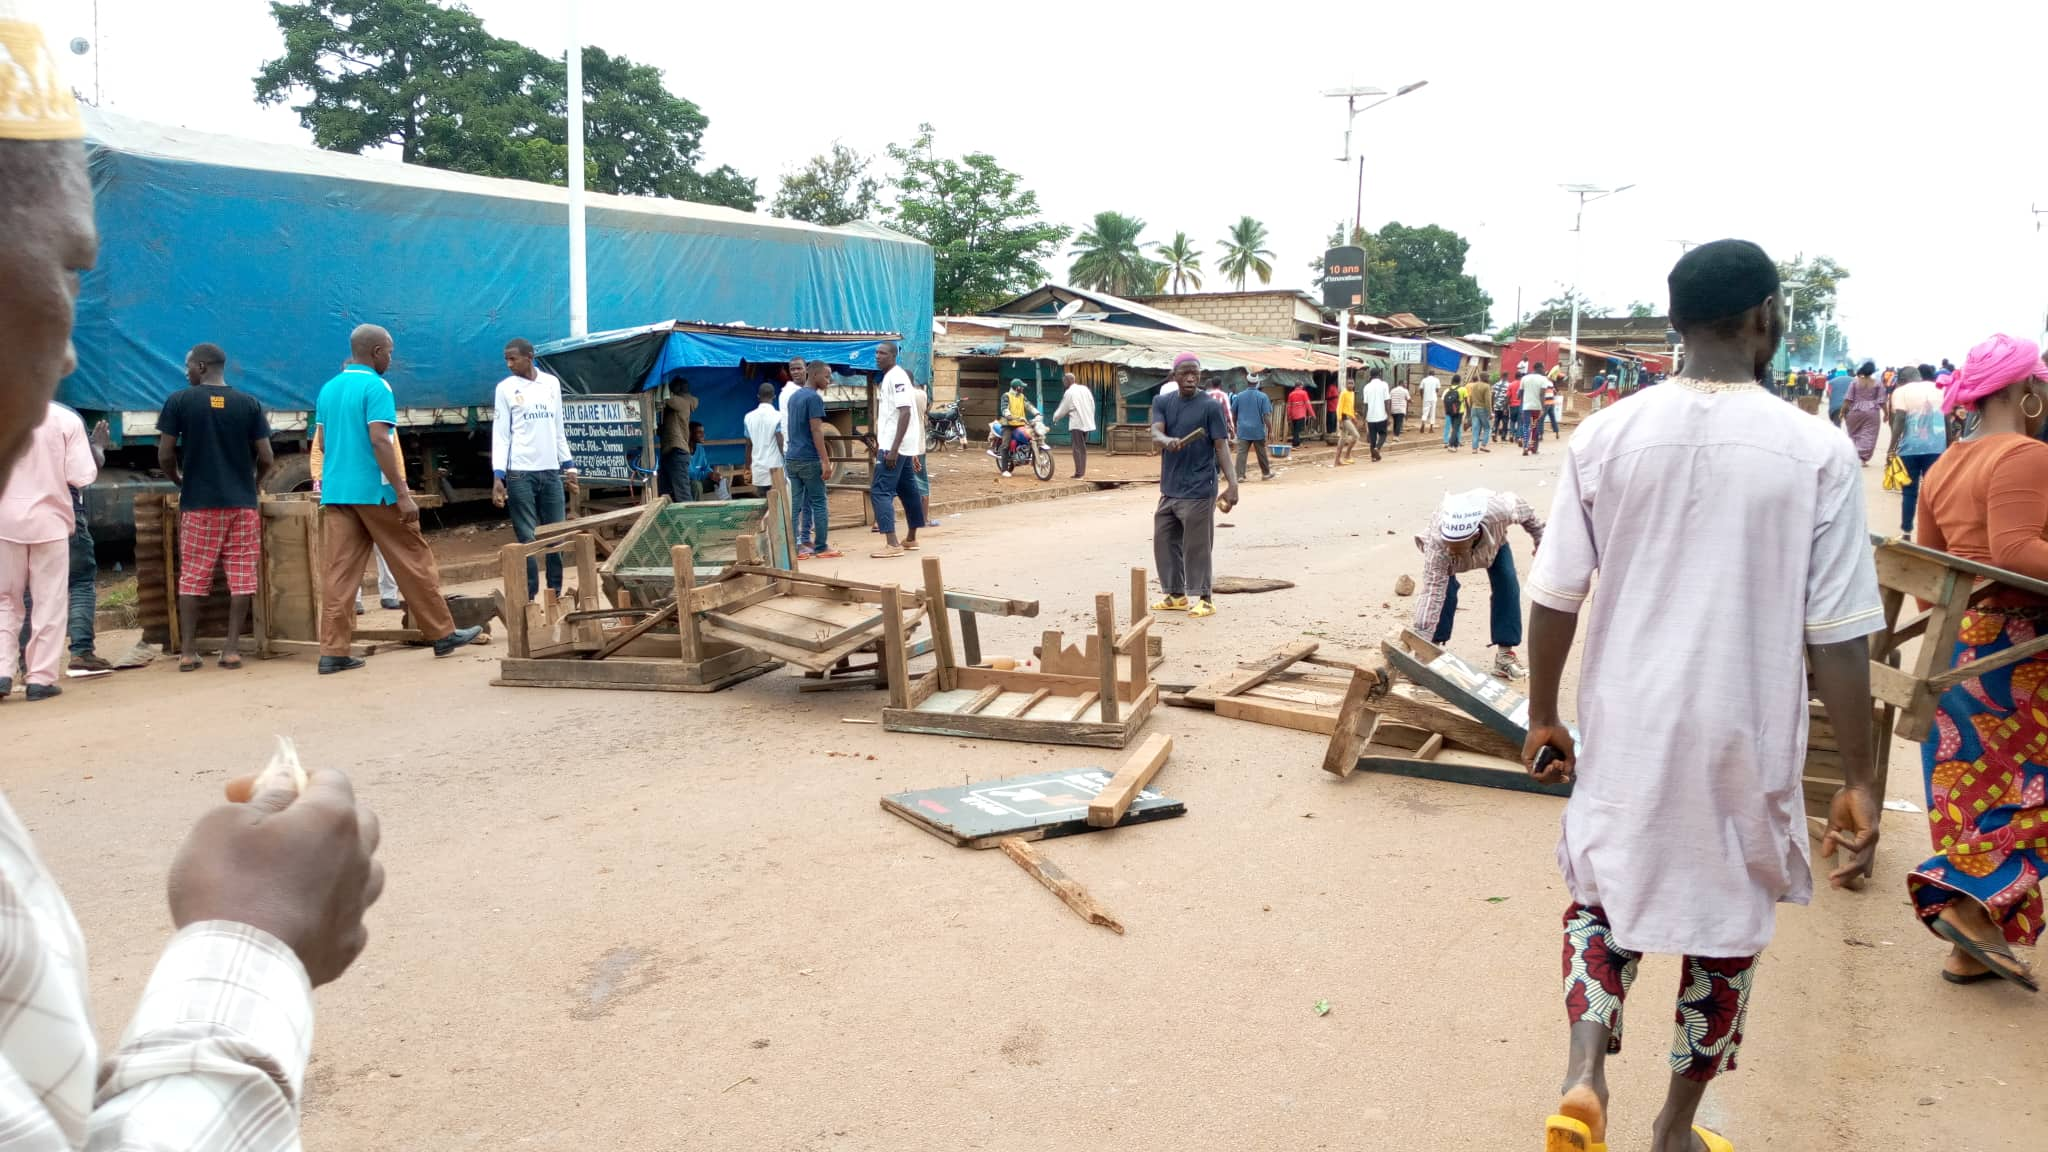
pixel 1018 413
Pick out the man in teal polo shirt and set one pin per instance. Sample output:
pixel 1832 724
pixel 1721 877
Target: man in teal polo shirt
pixel 364 502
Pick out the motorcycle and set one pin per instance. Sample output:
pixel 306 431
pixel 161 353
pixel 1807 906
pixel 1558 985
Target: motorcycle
pixel 1039 451
pixel 942 426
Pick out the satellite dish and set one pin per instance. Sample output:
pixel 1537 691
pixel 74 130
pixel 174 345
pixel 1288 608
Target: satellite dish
pixel 80 45
pixel 1068 309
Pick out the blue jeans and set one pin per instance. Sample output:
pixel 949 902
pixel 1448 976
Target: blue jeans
pixel 1482 427
pixel 1550 413
pixel 534 499
pixel 807 498
pixel 1916 467
pixel 1505 611
pixel 676 482
pixel 1452 431
pixel 85 574
pixel 891 482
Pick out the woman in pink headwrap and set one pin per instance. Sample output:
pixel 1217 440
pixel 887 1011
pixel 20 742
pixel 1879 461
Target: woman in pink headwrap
pixel 1986 499
pixel 1864 413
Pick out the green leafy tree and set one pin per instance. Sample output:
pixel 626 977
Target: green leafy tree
pixel 982 224
pixel 1245 253
pixel 1422 270
pixel 1812 306
pixel 1180 264
pixel 432 82
pixel 1109 257
pixel 832 188
pixel 1642 310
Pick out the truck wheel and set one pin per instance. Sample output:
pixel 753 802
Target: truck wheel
pixel 294 474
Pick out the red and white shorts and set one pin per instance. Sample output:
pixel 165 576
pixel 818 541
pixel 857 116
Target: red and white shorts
pixel 229 535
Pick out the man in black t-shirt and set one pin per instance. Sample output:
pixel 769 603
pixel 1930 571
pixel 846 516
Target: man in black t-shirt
pixel 226 456
pixel 1194 441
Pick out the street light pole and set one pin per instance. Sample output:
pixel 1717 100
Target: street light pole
pixel 1351 96
pixel 1586 193
pixel 579 302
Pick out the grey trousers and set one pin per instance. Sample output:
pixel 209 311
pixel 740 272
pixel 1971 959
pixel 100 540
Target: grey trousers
pixel 1183 536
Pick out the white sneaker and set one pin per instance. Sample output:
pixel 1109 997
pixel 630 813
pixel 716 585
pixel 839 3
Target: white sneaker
pixel 1506 666
pixel 1006 474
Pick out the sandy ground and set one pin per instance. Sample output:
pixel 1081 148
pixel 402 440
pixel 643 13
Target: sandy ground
pixel 646 921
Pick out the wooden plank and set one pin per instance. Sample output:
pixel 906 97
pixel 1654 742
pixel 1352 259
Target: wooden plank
pixel 1919 576
pixel 1456 766
pixel 1258 672
pixel 783 619
pixel 1937 650
pixel 1137 771
pixel 1139 608
pixel 981 700
pixel 648 514
pixel 1133 639
pixel 893 648
pixel 1081 705
pixel 1086 733
pixel 636 631
pixel 618 519
pixel 1992 663
pixel 942 624
pixel 1277 713
pixel 804 657
pixel 991 605
pixel 1892 686
pixel 727 593
pixel 1463 703
pixel 689 640
pixel 2003 576
pixel 1105 634
pixel 1452 723
pixel 589 633
pixel 1031 701
pixel 1069 892
pixel 1430 747
pixel 970 634
pixel 1354 725
pixel 576 674
pixel 512 572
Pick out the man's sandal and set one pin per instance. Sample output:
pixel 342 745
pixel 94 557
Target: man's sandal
pixel 886 553
pixel 1171 604
pixel 1565 1134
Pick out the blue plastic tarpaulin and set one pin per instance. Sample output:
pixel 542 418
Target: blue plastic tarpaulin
pixel 275 252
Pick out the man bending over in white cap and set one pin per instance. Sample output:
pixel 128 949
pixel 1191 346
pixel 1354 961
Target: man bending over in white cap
pixel 1468 532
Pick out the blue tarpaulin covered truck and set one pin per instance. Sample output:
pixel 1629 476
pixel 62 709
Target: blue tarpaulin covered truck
pixel 275 251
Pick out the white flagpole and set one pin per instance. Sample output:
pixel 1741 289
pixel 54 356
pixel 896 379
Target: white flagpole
pixel 579 304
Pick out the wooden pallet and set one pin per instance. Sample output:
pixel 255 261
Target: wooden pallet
pixel 1103 710
pixel 1273 690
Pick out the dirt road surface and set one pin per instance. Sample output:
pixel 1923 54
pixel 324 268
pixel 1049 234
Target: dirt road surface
pixel 646 921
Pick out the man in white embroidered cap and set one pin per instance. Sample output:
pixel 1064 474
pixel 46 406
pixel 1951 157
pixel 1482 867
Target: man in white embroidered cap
pixel 1469 533
pixel 1727 532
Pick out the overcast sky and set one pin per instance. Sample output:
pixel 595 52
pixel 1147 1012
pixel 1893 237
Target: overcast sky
pixel 1907 146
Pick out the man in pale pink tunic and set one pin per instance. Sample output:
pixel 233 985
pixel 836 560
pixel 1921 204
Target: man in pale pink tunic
pixel 1727 532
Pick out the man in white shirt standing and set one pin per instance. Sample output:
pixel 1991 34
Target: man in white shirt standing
pixel 1376 396
pixel 764 427
pixel 1077 404
pixel 898 440
pixel 530 461
pixel 1533 385
pixel 1431 388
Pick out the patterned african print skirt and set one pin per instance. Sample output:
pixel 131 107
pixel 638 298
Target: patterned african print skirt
pixel 1987 782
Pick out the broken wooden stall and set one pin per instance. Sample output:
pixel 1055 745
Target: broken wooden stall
pixel 1098 693
pixel 285 617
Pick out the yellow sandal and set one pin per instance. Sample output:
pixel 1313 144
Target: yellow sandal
pixel 1714 1141
pixel 1565 1134
pixel 1171 604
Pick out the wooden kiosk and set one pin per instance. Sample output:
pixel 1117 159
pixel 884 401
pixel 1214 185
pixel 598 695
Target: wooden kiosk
pixel 1103 708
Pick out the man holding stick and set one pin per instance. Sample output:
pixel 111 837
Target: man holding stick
pixel 1184 527
pixel 1686 826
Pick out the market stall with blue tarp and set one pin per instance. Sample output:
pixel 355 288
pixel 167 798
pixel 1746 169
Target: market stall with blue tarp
pixel 724 365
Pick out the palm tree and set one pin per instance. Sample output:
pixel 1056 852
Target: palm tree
pixel 1108 256
pixel 1245 252
pixel 1179 262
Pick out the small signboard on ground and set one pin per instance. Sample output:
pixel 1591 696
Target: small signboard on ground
pixel 1031 807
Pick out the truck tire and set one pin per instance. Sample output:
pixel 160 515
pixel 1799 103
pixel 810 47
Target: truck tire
pixel 294 474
